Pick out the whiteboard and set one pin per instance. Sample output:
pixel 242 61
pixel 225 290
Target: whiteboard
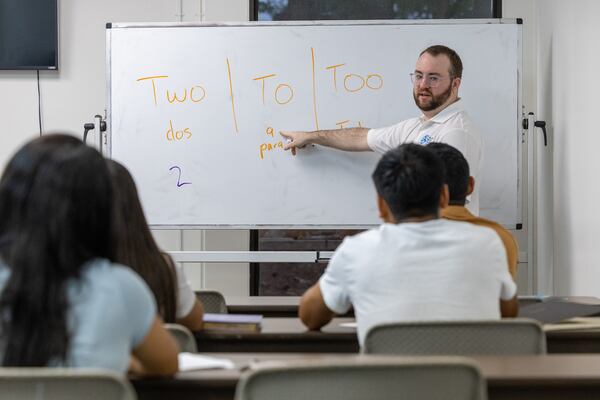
pixel 195 110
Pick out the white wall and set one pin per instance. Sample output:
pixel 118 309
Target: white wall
pixel 76 92
pixel 569 84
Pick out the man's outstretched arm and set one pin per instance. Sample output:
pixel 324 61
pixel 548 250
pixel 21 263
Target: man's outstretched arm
pixel 348 139
pixel 509 308
pixel 313 311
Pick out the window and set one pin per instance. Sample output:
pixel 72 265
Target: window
pixel 286 10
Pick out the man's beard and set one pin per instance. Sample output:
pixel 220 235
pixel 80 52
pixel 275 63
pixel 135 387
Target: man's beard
pixel 434 101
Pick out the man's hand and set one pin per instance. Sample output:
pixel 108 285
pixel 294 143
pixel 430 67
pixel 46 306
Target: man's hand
pixel 294 140
pixel 348 139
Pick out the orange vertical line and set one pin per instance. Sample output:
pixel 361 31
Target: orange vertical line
pixel 231 94
pixel 314 86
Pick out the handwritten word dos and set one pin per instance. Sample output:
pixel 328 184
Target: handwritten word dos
pixel 173 134
pixel 193 94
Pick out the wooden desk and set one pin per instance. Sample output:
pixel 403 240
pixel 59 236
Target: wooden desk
pixel 267 306
pixel 289 335
pixel 548 377
pixel 576 341
pixel 287 306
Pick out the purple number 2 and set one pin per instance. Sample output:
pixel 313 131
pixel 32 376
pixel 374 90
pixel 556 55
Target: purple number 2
pixel 179 183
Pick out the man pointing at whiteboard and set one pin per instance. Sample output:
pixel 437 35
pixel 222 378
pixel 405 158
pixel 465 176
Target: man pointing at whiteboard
pixel 436 81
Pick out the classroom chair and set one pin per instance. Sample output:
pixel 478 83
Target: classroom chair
pixel 183 336
pixel 63 384
pixel 373 378
pixel 212 301
pixel 507 336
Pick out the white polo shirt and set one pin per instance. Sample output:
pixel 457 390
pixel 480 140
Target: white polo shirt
pixel 422 271
pixel 452 125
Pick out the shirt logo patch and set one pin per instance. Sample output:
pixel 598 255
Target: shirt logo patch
pixel 425 140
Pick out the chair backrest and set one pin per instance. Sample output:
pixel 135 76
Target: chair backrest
pixel 185 338
pixel 508 336
pixel 63 384
pixel 373 378
pixel 212 301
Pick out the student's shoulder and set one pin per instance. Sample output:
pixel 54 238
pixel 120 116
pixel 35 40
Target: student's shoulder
pixel 104 272
pixel 470 231
pixel 491 224
pixel 362 241
pixel 507 238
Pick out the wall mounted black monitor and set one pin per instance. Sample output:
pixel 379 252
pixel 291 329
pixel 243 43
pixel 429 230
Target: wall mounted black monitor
pixel 28 34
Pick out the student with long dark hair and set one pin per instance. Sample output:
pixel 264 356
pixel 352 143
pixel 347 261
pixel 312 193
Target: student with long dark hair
pixel 62 301
pixel 136 248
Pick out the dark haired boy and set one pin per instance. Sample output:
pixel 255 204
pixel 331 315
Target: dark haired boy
pixel 415 266
pixel 460 185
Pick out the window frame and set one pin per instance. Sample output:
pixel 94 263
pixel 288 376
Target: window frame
pixel 253 9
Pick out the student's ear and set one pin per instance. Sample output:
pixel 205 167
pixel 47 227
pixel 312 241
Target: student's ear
pixel 470 185
pixel 384 211
pixel 444 196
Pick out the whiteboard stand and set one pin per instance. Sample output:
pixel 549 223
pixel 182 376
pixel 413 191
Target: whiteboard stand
pixel 531 267
pixel 183 181
pixel 540 281
pixel 252 256
pixel 266 256
pixel 246 256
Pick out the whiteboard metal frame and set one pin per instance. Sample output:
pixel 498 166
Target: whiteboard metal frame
pixel 521 114
pixel 129 25
pixel 264 256
pixel 245 256
pixel 473 21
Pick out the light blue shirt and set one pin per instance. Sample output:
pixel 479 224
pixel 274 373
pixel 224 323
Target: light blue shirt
pixel 112 310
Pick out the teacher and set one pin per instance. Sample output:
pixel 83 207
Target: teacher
pixel 436 81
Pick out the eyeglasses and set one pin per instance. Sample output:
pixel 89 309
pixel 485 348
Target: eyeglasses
pixel 432 80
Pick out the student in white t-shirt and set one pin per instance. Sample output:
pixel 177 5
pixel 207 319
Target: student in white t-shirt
pixel 436 80
pixel 415 266
pixel 136 248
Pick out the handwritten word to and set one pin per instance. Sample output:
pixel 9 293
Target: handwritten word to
pixel 179 183
pixel 282 94
pixel 173 134
pixel 194 94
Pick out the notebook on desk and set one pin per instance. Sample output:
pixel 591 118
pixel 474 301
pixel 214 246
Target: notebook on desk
pixel 233 322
